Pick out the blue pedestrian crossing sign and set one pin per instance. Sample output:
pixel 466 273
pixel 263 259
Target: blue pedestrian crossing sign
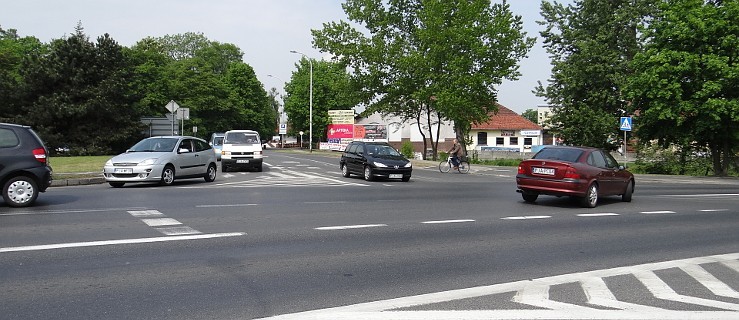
pixel 625 123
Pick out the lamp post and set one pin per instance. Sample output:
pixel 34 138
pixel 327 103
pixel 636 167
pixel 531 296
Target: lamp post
pixel 310 104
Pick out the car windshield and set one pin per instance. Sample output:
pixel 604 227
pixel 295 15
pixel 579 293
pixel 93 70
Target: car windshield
pixel 155 145
pixel 241 138
pixel 217 141
pixel 569 155
pixel 382 150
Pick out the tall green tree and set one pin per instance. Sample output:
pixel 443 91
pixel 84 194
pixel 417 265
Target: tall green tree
pixel 439 60
pixel 13 51
pixel 250 101
pixel 686 87
pixel 591 43
pixel 331 91
pixel 532 115
pixel 80 96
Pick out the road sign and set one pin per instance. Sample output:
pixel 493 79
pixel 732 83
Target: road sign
pixel 283 128
pixel 172 106
pixel 625 123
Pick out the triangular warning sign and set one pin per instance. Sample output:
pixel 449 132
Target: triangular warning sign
pixel 626 124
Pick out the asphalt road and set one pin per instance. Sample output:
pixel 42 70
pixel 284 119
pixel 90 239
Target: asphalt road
pixel 299 238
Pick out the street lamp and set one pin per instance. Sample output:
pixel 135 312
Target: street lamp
pixel 310 131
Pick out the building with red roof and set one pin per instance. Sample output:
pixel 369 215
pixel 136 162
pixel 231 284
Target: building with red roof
pixel 505 130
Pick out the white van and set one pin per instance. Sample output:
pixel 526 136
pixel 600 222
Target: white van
pixel 241 149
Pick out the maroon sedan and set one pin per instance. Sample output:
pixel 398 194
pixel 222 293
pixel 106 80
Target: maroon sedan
pixel 581 172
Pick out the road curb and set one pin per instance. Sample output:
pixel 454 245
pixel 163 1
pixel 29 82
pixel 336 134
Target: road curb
pixel 77 182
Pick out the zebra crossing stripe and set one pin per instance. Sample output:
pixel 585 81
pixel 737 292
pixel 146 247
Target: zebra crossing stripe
pixel 661 290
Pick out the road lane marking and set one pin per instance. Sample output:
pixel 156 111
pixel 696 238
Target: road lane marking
pixel 68 211
pixel 145 213
pixel 525 217
pixel 178 231
pixel 226 205
pixel 657 212
pixel 352 227
pixel 159 222
pixel 122 241
pixel 706 195
pixel 448 221
pixel 535 290
pixel 713 210
pixel 605 214
pixel 324 202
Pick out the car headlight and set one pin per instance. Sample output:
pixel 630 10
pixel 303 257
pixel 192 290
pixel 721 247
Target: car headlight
pixel 379 165
pixel 109 163
pixel 408 165
pixel 148 162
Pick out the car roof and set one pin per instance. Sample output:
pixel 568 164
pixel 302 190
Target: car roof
pixel 572 147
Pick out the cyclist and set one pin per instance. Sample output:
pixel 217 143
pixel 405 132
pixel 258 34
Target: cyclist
pixel 455 152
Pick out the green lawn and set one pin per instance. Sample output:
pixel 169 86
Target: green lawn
pixel 78 167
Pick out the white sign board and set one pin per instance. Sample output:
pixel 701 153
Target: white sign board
pixel 172 106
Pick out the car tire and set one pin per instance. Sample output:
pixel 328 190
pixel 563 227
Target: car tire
pixel 529 197
pixel 345 171
pixel 167 175
pixel 368 173
pixel 626 197
pixel 116 184
pixel 591 197
pixel 20 191
pixel 210 175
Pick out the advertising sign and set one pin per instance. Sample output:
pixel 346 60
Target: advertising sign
pixel 341 116
pixel 340 131
pixel 370 132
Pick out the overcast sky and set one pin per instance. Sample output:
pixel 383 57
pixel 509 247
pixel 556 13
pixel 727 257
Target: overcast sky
pixel 266 30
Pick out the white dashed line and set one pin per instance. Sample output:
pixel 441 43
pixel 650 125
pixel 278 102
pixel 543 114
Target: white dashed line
pixel 713 210
pixel 448 221
pixel 352 227
pixel 657 212
pixel 526 217
pixel 226 205
pixel 606 214
pixel 145 213
pixel 178 231
pixel 158 222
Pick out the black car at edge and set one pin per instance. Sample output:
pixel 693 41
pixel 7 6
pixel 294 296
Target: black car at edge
pixel 24 165
pixel 374 159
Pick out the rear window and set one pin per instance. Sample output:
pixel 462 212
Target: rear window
pixel 568 155
pixel 8 138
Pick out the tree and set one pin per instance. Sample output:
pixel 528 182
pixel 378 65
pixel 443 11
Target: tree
pixel 77 89
pixel 331 91
pixel 532 115
pixel 686 86
pixel 591 43
pixel 13 51
pixel 431 60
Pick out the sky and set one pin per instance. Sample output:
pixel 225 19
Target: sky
pixel 265 30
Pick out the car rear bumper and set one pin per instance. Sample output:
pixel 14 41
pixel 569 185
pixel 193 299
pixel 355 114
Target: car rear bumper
pixel 44 177
pixel 527 184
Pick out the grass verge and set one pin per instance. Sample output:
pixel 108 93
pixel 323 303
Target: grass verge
pixel 77 167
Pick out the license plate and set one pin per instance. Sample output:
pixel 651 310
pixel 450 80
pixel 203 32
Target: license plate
pixel 396 176
pixel 546 171
pixel 242 161
pixel 123 170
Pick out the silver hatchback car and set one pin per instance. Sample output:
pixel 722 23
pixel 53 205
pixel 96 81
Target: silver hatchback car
pixel 163 160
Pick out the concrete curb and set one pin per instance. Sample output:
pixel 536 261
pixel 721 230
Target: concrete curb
pixel 77 182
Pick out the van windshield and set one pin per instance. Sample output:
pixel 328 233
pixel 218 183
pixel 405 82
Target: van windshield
pixel 217 141
pixel 241 138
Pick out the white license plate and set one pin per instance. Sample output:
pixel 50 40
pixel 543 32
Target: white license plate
pixel 242 161
pixel 123 170
pixel 546 171
pixel 396 176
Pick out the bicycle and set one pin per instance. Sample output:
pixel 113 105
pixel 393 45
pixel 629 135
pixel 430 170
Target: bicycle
pixel 446 166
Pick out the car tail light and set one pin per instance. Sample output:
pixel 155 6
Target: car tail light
pixel 571 173
pixel 521 170
pixel 40 154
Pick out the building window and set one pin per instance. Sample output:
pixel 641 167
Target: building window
pixel 527 141
pixel 482 138
pixel 499 141
pixel 514 141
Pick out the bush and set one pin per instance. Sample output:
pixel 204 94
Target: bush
pixel 407 149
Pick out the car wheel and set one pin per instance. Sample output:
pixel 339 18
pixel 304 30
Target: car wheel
pixel 20 191
pixel 345 171
pixel 368 173
pixel 591 197
pixel 116 184
pixel 529 197
pixel 167 175
pixel 210 175
pixel 626 197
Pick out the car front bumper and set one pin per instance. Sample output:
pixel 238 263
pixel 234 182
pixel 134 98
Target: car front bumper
pixel 152 173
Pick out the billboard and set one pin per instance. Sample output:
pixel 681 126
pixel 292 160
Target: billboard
pixel 340 131
pixel 370 132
